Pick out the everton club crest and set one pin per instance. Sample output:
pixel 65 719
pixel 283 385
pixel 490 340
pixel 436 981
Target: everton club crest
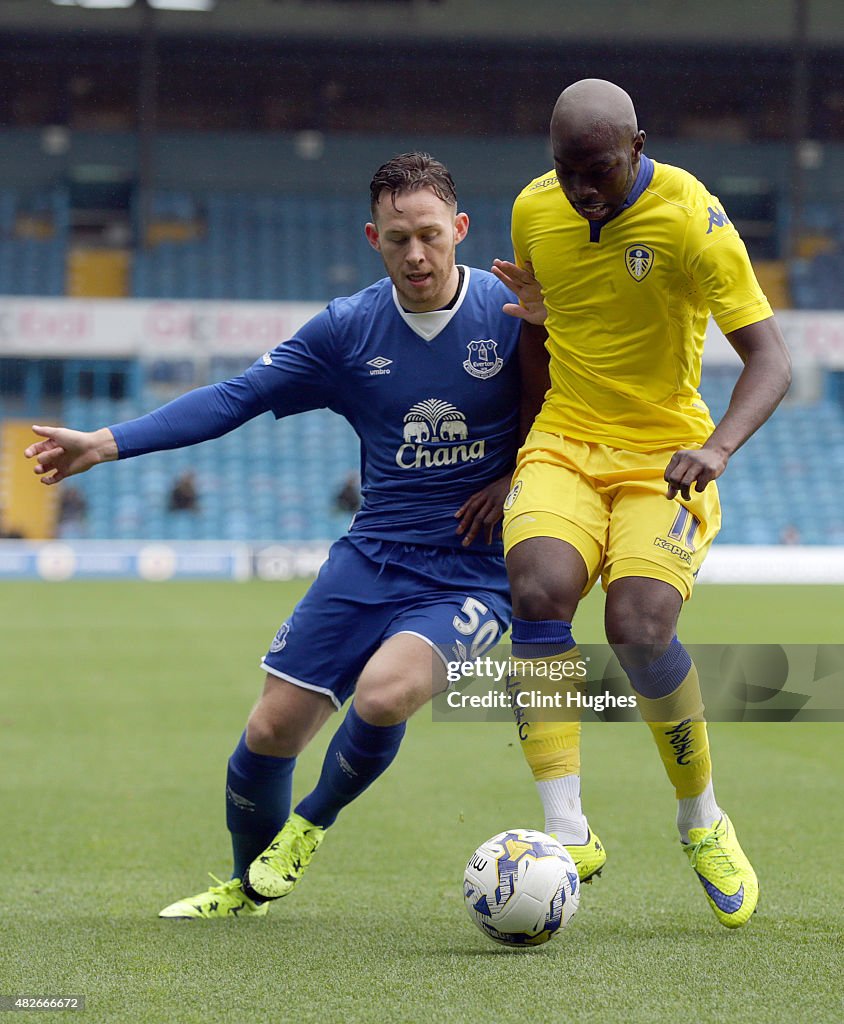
pixel 639 260
pixel 484 360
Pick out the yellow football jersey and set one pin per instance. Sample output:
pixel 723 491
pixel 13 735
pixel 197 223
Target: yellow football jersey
pixel 628 302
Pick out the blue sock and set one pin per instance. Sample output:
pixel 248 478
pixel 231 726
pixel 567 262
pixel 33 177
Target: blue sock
pixel 541 639
pixel 258 795
pixel 663 676
pixel 357 755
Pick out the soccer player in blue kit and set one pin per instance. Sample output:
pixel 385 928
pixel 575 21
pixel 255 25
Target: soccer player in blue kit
pixel 424 364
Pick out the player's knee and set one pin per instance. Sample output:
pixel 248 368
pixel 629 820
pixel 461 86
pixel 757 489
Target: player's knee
pixel 547 578
pixel 389 700
pixel 632 626
pixel 542 595
pixel 642 613
pixel 270 734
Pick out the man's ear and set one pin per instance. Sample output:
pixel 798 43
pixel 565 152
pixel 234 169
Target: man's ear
pixel 638 145
pixel 461 227
pixel 372 237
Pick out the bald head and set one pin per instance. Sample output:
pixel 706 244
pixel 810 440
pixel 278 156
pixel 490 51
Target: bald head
pixel 597 145
pixel 593 107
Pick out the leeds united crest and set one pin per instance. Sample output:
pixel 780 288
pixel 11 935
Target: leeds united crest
pixel 639 259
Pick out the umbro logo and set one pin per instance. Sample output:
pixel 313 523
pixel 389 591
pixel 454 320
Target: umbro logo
pixel 345 766
pixel 239 801
pixel 379 366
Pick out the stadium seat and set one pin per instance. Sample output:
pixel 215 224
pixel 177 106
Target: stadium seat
pixel 780 486
pixel 283 247
pixel 33 242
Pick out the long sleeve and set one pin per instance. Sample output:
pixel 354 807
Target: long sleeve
pixel 199 415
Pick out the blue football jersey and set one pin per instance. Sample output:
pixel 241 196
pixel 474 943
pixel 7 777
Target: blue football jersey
pixel 433 397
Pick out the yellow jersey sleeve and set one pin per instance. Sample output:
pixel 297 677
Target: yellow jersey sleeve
pixel 719 265
pixel 546 184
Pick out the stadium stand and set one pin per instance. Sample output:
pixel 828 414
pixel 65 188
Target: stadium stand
pixel 245 241
pixel 33 242
pixel 311 455
pixel 244 246
pixel 781 488
pixel 205 244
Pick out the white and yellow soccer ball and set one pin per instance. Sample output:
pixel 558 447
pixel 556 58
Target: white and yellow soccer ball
pixel 521 887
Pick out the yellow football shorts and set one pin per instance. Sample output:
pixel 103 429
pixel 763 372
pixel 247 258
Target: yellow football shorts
pixel 611 506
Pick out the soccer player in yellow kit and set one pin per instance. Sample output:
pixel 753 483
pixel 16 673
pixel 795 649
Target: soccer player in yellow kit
pixel 632 256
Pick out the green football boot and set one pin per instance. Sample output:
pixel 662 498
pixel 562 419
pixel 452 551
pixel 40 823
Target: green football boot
pixel 725 873
pixel 590 858
pixel 225 899
pixel 276 871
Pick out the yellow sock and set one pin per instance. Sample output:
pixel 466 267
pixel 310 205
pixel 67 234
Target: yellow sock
pixel 548 729
pixel 679 729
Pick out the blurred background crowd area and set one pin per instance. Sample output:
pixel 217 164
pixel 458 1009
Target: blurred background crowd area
pixel 222 151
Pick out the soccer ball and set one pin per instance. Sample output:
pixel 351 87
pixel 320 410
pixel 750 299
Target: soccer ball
pixel 521 887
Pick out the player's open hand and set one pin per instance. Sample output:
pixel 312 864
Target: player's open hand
pixel 66 452
pixel 483 511
pixel 698 466
pixel 521 280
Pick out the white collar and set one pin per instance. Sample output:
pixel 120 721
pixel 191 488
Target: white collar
pixel 429 325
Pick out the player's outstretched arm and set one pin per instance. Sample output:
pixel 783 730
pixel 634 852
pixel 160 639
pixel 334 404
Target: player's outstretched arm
pixel 522 281
pixel 483 511
pixel 759 390
pixel 66 452
pixel 199 415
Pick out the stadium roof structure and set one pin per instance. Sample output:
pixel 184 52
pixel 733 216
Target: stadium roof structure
pixel 160 5
pixel 568 22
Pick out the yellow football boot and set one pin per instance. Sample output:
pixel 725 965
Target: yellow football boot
pixel 225 899
pixel 276 871
pixel 589 858
pixel 725 873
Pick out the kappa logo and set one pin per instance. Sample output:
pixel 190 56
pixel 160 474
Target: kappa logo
pixel 267 359
pixel 435 433
pixel 280 639
pixel 484 360
pixel 544 183
pixel 717 219
pixel 379 366
pixel 638 259
pixel 674 549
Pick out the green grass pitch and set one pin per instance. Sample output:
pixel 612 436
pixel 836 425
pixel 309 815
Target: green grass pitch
pixel 120 706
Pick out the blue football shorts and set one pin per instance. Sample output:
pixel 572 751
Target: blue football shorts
pixel 369 590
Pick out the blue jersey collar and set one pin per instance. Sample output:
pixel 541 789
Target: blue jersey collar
pixel 643 179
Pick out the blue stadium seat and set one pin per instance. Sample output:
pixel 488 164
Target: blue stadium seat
pixel 30 265
pixel 780 481
pixel 284 247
